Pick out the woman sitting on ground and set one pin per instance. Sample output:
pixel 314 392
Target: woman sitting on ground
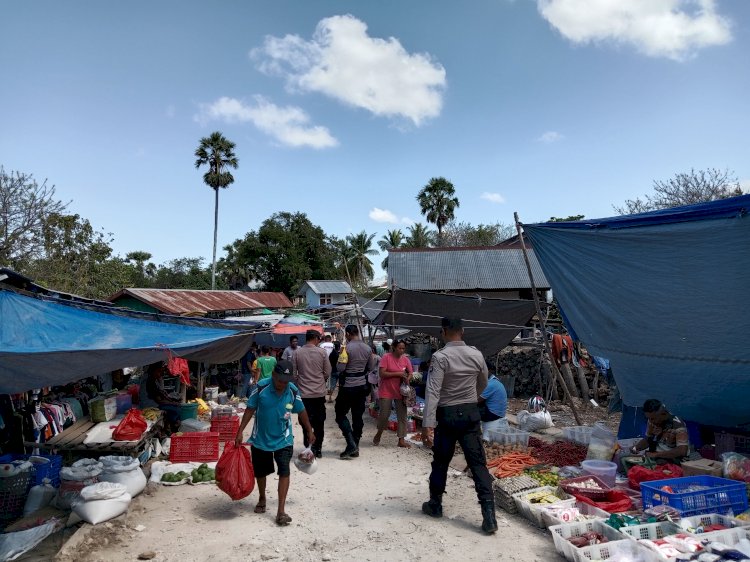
pixel 395 369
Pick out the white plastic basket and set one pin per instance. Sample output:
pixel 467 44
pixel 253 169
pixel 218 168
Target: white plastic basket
pixel 578 434
pixel 651 531
pixel 510 436
pixel 710 519
pixel 617 549
pixel 548 519
pixel 729 537
pixel 561 534
pixel 532 511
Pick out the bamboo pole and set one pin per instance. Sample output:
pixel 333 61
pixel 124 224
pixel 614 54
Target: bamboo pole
pixel 542 325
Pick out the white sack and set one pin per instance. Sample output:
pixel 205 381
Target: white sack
pixel 528 421
pixel 123 470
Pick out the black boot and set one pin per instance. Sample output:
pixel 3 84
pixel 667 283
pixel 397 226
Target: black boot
pixel 351 450
pixel 434 507
pixel 489 523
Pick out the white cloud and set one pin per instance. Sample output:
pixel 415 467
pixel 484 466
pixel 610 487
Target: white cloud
pixel 674 29
pixel 407 221
pixel 549 137
pixel 745 186
pixel 492 197
pixel 343 62
pixel 288 125
pixel 383 215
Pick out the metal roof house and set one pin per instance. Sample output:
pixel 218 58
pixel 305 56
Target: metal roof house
pixel 321 293
pixel 216 304
pixel 490 271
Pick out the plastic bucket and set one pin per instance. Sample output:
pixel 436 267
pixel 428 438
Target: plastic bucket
pixel 189 410
pixel 605 470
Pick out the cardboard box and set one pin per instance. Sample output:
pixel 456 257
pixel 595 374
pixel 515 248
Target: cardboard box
pixel 701 467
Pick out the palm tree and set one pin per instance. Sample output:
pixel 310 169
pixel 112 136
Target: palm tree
pixel 358 262
pixel 419 237
pixel 218 152
pixel 390 241
pixel 437 202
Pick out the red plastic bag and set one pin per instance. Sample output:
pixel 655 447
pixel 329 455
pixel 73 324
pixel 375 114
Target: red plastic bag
pixel 177 366
pixel 234 471
pixel 616 502
pixel 638 474
pixel 131 427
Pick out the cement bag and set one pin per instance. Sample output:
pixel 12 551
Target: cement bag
pixel 123 470
pixel 534 421
pixel 102 502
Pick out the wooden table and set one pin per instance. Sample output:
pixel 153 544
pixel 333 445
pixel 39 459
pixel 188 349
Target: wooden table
pixel 71 439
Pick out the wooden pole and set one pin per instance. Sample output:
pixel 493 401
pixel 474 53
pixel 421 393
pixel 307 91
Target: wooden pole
pixel 542 325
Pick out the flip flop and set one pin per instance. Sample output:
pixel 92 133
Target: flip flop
pixel 260 508
pixel 283 520
pixel 404 445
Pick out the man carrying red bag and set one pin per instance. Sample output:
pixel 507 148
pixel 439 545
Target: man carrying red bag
pixel 273 402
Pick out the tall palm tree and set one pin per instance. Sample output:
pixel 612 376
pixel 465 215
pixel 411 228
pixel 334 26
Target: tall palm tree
pixel 359 264
pixel 218 152
pixel 437 202
pixel 419 237
pixel 390 241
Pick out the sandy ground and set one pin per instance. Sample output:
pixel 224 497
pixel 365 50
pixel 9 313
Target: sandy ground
pixel 360 509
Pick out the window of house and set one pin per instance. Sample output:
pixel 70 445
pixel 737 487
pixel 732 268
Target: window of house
pixel 326 298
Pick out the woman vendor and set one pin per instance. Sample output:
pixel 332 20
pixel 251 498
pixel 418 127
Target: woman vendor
pixel 666 439
pixel 153 395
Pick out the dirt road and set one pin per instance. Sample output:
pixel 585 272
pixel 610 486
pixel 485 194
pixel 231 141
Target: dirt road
pixel 360 509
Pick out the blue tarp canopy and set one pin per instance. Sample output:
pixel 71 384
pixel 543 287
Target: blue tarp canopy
pixel 45 343
pixel 664 296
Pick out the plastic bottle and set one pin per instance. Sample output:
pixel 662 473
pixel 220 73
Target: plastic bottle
pixel 39 496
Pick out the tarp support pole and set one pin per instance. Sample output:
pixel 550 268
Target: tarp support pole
pixel 542 324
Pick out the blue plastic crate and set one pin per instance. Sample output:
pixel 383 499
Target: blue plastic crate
pixel 50 470
pixel 722 496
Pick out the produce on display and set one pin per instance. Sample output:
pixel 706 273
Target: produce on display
pixel 203 474
pixel 541 497
pixel 545 477
pixel 587 539
pixel 511 464
pixel 174 477
pixel 559 453
pixel 151 414
pixel 736 466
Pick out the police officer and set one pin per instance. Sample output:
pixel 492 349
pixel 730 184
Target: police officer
pixel 458 375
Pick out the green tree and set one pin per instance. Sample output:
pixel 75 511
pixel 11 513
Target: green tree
pixel 418 236
pixel 698 186
pixel 218 153
pixel 566 219
pixel 359 263
pixel 25 206
pixel 464 234
pixel 184 273
pixel 437 202
pixel 286 250
pixel 389 241
pixel 145 270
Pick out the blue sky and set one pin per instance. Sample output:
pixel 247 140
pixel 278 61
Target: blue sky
pixel 344 110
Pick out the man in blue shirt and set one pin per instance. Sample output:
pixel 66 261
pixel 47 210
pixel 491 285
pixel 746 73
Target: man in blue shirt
pixel 493 403
pixel 273 401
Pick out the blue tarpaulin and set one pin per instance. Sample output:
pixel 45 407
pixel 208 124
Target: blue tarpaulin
pixel 664 296
pixel 45 343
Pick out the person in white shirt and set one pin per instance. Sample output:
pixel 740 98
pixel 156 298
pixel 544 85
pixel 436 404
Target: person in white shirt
pixel 327 344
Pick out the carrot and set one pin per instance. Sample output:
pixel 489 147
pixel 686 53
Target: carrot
pixel 511 464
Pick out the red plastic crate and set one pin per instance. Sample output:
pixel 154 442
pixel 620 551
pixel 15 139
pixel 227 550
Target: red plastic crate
pixel 200 446
pixel 226 427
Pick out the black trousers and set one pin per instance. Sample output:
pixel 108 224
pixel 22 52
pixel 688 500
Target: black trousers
pixel 351 399
pixel 459 424
pixel 316 411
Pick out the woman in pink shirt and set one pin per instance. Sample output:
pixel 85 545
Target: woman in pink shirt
pixel 395 368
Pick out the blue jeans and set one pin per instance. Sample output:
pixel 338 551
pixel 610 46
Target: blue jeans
pixel 246 385
pixel 333 382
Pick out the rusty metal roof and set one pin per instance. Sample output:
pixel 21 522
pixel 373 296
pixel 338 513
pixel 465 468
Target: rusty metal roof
pixel 185 301
pixel 456 269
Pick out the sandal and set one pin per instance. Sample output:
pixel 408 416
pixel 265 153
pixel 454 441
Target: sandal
pixel 260 508
pixel 283 520
pixel 404 444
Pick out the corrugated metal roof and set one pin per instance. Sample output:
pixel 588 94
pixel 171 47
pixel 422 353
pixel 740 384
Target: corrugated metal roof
pixel 326 287
pixel 462 269
pixel 183 301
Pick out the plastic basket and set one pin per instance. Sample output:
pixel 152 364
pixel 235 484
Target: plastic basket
pixel 532 511
pixel 729 537
pixel 710 519
pixel 578 434
pixel 198 447
pixel 226 427
pixel 728 442
pixel 561 534
pixel 629 549
pixel 570 486
pixel 49 470
pixel 13 493
pixel 722 496
pixel 510 436
pixel 651 531
pixel 549 519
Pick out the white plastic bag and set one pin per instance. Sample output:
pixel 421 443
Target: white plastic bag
pixel 192 425
pixel 528 421
pixel 39 496
pixel 13 545
pixel 123 470
pixel 101 502
pixel 305 461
